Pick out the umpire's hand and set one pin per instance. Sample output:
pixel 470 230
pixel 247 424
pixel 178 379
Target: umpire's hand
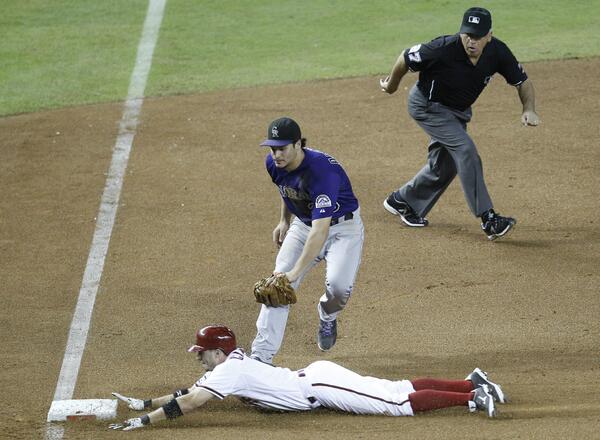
pixel 530 117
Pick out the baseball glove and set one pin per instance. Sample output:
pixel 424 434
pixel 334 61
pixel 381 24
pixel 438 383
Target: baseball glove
pixel 275 291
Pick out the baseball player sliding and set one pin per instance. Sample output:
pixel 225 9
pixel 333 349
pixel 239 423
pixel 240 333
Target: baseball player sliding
pixel 229 372
pixel 319 220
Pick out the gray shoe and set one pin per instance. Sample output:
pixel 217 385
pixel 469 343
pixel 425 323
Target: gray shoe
pixel 479 377
pixel 327 334
pixel 256 358
pixel 484 401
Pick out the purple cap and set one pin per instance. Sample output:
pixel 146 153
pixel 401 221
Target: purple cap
pixel 282 132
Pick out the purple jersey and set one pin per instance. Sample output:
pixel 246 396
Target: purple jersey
pixel 318 188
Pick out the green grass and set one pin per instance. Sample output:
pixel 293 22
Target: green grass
pixel 62 53
pixel 58 53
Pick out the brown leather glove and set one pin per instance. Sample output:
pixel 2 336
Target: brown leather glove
pixel 275 291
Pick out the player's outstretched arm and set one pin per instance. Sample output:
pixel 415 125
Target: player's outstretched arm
pixel 172 409
pixel 391 82
pixel 314 243
pixel 140 404
pixel 527 97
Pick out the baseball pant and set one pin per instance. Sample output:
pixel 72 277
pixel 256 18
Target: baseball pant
pixel 451 152
pixel 338 388
pixel 342 251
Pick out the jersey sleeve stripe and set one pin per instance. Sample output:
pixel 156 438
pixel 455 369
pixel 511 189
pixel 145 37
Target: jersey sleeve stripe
pixel 213 392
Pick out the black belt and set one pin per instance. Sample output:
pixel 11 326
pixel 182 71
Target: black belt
pixel 335 221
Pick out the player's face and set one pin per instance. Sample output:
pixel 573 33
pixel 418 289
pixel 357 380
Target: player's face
pixel 209 359
pixel 286 157
pixel 474 45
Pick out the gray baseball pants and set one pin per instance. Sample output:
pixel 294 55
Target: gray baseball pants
pixel 451 152
pixel 342 251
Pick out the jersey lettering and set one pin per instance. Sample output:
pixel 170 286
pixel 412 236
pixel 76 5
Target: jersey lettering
pixel 289 192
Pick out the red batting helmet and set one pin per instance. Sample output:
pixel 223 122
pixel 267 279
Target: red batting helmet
pixel 214 337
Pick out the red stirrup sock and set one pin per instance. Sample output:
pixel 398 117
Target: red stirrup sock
pixel 426 400
pixel 459 386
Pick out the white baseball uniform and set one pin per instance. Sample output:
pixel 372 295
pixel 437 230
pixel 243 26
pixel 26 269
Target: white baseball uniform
pixel 322 383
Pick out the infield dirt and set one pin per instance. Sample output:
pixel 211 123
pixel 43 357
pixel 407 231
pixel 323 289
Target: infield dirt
pixel 193 233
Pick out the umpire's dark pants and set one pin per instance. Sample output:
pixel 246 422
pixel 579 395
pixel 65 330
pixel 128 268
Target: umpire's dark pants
pixel 451 152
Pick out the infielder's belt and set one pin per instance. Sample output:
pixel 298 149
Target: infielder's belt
pixel 335 221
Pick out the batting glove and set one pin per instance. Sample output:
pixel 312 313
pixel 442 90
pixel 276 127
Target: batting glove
pixel 132 403
pixel 128 424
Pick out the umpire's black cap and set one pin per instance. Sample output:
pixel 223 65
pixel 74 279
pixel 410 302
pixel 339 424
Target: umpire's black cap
pixel 476 21
pixel 282 132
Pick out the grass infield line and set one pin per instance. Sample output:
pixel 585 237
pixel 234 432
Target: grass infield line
pixel 108 209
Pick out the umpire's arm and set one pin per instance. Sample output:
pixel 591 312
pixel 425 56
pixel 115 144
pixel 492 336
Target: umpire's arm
pixel 390 84
pixel 527 97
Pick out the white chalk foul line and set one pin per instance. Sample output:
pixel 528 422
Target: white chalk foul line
pixel 105 220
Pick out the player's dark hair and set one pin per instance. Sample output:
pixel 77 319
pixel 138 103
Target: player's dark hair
pixel 303 143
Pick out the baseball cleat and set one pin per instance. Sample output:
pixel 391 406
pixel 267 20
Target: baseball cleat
pixel 484 401
pixel 497 226
pixel 406 213
pixel 479 377
pixel 327 334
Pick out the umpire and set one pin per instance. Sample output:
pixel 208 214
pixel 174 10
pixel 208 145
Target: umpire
pixel 453 71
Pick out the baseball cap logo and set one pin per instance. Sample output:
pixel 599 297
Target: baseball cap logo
pixel 473 19
pixel 274 132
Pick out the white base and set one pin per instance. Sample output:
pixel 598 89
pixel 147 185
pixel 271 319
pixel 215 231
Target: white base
pixel 104 409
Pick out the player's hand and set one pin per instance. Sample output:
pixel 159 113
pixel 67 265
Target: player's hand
pixel 132 403
pixel 530 118
pixel 386 86
pixel 128 424
pixel 280 232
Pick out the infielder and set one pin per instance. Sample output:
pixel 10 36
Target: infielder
pixel 229 372
pixel 453 71
pixel 316 192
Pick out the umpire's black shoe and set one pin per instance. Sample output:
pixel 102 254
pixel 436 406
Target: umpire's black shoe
pixel 406 213
pixel 495 225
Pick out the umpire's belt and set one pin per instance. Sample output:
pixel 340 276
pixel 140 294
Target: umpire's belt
pixel 335 221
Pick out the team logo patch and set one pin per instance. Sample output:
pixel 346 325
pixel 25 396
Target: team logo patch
pixel 274 132
pixel 473 19
pixel 322 201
